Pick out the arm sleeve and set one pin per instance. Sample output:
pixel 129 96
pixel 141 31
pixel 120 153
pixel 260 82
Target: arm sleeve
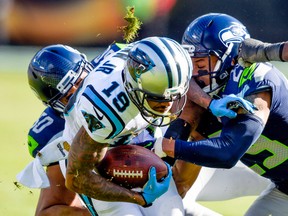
pixel 224 151
pixel 178 129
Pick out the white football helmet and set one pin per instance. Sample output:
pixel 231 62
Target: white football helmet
pixel 157 69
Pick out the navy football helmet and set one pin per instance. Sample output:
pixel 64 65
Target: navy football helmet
pixel 53 71
pixel 219 35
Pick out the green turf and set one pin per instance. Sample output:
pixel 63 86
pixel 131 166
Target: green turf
pixel 19 110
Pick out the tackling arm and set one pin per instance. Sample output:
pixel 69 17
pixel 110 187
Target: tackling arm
pixel 185 174
pixel 218 107
pixel 236 137
pixel 197 95
pixel 57 199
pixel 252 50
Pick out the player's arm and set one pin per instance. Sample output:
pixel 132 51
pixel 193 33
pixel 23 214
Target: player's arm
pixel 57 199
pixel 184 175
pixel 197 95
pixel 236 137
pixel 218 107
pixel 84 155
pixel 285 52
pixel 252 50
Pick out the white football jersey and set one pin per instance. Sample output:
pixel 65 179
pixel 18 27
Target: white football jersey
pixel 102 105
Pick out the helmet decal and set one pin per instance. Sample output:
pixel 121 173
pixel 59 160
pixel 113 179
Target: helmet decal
pixel 233 34
pixel 144 63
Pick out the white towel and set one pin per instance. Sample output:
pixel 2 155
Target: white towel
pixel 34 174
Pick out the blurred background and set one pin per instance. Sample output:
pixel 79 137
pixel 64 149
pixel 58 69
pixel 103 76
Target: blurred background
pixel 89 26
pixel 96 22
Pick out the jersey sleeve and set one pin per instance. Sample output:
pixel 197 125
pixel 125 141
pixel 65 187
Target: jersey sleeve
pixel 47 128
pixel 224 151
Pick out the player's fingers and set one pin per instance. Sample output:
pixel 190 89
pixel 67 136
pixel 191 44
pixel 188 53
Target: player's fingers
pixel 169 173
pixel 152 172
pixel 250 107
pixel 230 114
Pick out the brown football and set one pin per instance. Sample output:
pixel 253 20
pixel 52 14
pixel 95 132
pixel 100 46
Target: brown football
pixel 128 165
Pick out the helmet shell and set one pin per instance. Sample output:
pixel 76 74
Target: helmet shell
pixel 158 68
pixel 214 31
pixel 215 34
pixel 49 66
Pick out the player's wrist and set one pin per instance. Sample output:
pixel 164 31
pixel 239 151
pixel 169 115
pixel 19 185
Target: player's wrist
pixel 207 102
pixel 273 52
pixel 144 203
pixel 139 199
pixel 168 146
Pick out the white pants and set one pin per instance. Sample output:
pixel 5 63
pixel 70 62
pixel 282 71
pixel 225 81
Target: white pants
pixel 271 202
pixel 222 184
pixel 169 204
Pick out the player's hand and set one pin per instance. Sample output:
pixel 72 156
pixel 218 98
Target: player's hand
pixel 157 148
pixel 225 106
pixel 154 189
pixel 250 51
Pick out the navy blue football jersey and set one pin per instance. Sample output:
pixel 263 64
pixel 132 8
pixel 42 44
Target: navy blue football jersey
pixel 268 156
pixel 48 127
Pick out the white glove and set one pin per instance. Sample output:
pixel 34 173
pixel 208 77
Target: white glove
pixel 157 149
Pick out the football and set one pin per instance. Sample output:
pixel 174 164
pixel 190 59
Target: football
pixel 128 166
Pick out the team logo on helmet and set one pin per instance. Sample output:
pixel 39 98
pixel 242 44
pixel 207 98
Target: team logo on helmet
pixel 142 63
pixel 233 34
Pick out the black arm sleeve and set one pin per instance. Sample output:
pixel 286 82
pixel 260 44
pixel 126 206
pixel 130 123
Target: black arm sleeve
pixel 224 151
pixel 178 129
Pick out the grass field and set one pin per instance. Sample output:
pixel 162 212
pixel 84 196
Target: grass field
pixel 19 109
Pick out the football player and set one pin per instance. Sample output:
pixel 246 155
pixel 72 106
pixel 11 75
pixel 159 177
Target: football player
pixel 258 140
pixel 160 108
pixel 54 73
pixel 46 70
pixel 123 95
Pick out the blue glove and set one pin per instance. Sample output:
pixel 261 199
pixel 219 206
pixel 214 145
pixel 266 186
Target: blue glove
pixel 225 106
pixel 154 189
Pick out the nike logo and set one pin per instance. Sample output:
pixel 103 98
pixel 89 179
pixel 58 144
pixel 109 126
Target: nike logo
pixel 100 117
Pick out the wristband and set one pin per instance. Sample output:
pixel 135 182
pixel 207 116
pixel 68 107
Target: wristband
pixel 273 52
pixel 146 205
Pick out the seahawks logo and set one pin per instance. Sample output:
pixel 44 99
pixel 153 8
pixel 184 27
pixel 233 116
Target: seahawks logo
pixel 233 34
pixel 93 123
